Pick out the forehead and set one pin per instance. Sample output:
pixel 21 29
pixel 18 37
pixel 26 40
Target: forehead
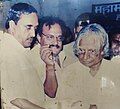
pixel 54 29
pixel 90 42
pixel 29 19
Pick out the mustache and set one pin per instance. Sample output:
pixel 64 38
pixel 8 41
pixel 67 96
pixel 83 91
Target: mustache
pixel 57 46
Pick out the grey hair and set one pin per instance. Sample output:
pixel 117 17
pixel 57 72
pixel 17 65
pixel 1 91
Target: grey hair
pixel 99 31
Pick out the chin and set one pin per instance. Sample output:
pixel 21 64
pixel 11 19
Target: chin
pixel 87 64
pixel 55 54
pixel 26 46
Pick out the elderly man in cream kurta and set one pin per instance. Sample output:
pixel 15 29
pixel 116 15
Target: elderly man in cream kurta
pixel 101 90
pixel 96 79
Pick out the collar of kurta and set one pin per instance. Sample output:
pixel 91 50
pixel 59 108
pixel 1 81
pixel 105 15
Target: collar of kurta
pixel 62 58
pixel 116 59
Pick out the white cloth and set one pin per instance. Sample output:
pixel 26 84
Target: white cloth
pixel 103 89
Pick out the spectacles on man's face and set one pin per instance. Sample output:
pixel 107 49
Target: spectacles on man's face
pixel 59 38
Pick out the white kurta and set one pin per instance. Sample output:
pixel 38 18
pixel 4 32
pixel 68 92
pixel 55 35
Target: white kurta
pixel 18 77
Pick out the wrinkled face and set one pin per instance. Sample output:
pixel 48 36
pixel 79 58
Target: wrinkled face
pixel 90 51
pixel 116 45
pixel 24 30
pixel 52 37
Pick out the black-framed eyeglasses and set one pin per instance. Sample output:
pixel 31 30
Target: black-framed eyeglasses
pixel 60 38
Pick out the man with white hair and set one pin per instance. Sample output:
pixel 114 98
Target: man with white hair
pixel 97 78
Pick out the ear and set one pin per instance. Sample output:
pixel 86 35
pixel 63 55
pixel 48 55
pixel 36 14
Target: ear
pixel 12 26
pixel 102 53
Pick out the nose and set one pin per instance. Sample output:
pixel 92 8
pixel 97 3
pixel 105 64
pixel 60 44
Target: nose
pixel 55 41
pixel 32 32
pixel 86 55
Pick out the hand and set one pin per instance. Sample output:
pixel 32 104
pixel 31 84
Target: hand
pixel 18 102
pixel 46 55
pixel 24 104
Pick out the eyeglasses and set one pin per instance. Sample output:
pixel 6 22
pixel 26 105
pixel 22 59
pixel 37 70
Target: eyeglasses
pixel 60 38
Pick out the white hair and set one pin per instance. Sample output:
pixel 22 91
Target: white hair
pixel 99 32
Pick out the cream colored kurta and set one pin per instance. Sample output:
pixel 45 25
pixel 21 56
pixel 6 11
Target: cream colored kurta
pixel 68 51
pixel 103 90
pixel 18 77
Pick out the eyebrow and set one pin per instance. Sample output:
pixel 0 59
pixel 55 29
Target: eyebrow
pixel 51 34
pixel 29 25
pixel 32 26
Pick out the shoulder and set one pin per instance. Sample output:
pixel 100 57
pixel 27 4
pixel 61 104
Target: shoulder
pixel 70 57
pixel 116 59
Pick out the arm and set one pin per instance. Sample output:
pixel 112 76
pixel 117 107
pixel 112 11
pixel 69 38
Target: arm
pixel 24 104
pixel 50 84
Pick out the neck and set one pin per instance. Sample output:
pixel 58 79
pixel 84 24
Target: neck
pixel 94 68
pixel 56 59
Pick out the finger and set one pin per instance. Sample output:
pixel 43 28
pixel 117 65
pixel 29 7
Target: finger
pixel 16 102
pixel 43 49
pixel 45 54
pixel 48 58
